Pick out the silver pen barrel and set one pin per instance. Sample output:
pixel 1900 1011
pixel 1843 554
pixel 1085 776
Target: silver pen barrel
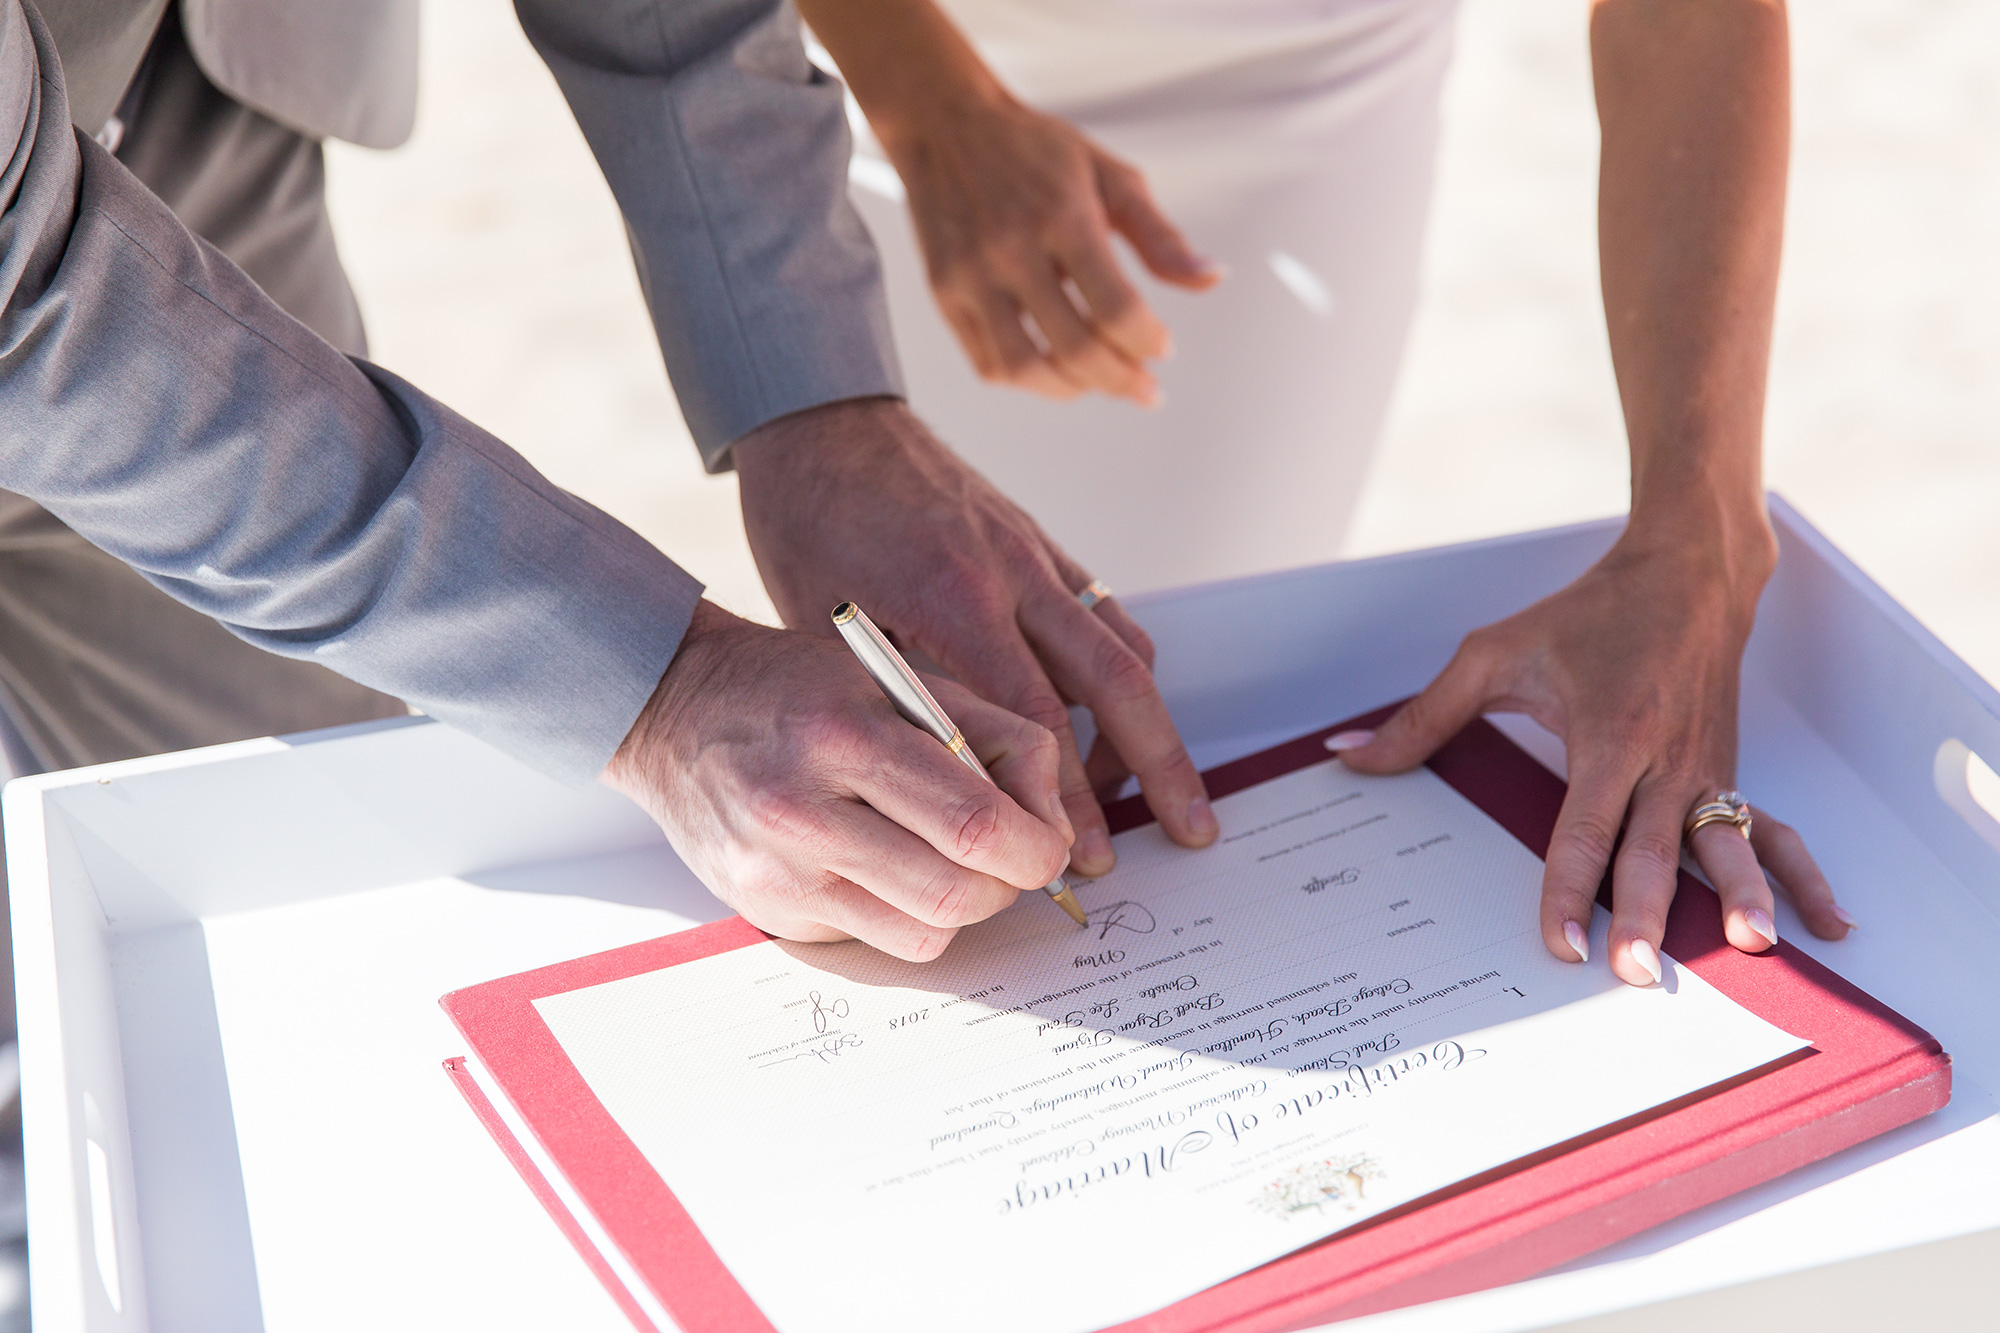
pixel 906 691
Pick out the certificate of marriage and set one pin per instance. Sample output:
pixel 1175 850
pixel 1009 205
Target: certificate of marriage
pixel 1342 1007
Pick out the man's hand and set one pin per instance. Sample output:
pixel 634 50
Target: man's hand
pixel 858 500
pixel 788 783
pixel 1635 666
pixel 1015 210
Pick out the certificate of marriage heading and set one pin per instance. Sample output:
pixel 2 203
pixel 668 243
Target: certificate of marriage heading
pixel 1341 1007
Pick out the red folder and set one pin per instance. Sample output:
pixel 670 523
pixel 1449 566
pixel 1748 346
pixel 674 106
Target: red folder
pixel 1869 1070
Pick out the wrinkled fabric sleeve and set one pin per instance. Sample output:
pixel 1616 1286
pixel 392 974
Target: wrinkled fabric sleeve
pixel 727 151
pixel 156 401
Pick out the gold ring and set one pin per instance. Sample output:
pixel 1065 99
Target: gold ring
pixel 1093 593
pixel 1726 807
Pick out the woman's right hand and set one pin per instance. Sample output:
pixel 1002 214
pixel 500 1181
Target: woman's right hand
pixel 1014 209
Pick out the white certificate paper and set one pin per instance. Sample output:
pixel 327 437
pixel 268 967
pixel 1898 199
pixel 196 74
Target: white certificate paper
pixel 1342 1006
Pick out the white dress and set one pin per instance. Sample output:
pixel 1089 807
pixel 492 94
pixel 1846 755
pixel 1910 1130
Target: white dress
pixel 1294 141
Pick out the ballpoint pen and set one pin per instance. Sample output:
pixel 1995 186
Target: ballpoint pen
pixel 914 702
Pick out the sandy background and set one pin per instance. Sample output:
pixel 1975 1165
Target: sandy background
pixel 492 268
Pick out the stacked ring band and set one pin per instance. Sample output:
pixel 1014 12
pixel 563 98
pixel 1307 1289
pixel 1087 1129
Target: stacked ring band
pixel 1093 593
pixel 1727 807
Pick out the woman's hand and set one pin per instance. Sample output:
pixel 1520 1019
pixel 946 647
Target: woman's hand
pixel 1014 209
pixel 1635 666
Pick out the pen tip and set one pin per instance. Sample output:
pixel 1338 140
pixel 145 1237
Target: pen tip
pixel 1067 901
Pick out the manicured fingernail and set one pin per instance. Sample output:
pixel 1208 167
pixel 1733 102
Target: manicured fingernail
pixel 1760 921
pixel 1578 941
pixel 1642 953
pixel 1845 919
pixel 1201 818
pixel 1094 857
pixel 1349 740
pixel 1060 814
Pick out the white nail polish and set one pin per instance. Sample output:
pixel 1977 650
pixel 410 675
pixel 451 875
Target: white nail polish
pixel 1643 954
pixel 1348 740
pixel 1760 921
pixel 1573 933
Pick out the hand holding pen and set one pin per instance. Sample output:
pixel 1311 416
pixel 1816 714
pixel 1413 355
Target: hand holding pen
pixel 914 702
pixel 798 795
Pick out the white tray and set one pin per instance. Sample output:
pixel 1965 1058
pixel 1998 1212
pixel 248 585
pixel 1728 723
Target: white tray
pixel 228 961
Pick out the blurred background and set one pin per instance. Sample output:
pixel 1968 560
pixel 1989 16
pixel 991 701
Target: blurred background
pixel 492 269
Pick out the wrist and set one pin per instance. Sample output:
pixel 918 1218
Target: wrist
pixel 692 663
pixel 923 114
pixel 1723 540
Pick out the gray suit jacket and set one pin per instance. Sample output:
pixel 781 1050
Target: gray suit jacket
pixel 155 400
pixel 330 69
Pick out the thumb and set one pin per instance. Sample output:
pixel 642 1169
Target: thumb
pixel 1129 206
pixel 1422 725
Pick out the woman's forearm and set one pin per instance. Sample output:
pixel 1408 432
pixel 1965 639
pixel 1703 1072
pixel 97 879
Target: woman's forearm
pixel 904 60
pixel 1693 101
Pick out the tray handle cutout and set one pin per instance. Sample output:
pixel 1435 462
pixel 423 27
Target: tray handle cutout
pixel 103 1230
pixel 1969 785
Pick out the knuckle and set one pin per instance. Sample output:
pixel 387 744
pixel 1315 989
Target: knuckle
pixel 1651 852
pixel 973 587
pixel 1015 362
pixel 926 943
pixel 1041 706
pixel 833 736
pixel 786 817
pixel 974 823
pixel 1592 835
pixel 1121 670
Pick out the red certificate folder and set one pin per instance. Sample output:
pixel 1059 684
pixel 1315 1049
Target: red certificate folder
pixel 1869 1070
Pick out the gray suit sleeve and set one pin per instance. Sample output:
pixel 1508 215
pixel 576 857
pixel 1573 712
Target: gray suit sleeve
pixel 727 152
pixel 156 401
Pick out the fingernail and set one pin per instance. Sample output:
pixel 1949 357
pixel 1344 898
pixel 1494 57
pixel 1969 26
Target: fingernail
pixel 1578 941
pixel 1060 814
pixel 1642 953
pixel 1845 919
pixel 1201 818
pixel 1349 740
pixel 1760 921
pixel 1094 857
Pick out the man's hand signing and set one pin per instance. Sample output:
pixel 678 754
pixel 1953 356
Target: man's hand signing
pixel 786 780
pixel 858 500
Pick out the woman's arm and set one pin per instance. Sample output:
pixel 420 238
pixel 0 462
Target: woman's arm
pixel 1014 209
pixel 1636 664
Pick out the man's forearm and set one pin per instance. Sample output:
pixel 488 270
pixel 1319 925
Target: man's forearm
pixel 727 152
pixel 153 398
pixel 1693 99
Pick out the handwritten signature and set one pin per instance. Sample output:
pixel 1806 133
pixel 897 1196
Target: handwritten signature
pixel 825 1009
pixel 821 1051
pixel 1123 916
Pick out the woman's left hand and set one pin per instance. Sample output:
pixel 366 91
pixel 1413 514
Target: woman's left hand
pixel 1635 666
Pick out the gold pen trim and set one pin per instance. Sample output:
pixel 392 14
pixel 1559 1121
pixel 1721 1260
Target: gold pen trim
pixel 845 612
pixel 956 743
